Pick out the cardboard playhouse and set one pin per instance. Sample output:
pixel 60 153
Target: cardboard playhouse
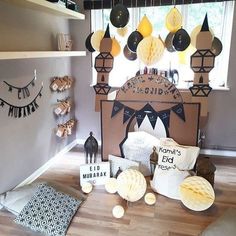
pixel 152 97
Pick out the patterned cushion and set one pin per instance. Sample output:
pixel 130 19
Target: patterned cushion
pixel 48 211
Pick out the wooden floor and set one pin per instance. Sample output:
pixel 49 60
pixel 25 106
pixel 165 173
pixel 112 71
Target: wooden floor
pixel 167 218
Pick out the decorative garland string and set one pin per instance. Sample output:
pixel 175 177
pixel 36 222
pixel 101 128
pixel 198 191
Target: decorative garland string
pixel 22 111
pixel 24 90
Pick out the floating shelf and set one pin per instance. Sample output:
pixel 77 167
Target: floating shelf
pixel 52 8
pixel 40 54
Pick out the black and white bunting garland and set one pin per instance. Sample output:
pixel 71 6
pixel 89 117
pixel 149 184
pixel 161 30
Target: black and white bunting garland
pixel 148 110
pixel 23 92
pixel 22 111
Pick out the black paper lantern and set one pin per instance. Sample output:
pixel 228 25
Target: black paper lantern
pixel 133 40
pixel 181 40
pixel 169 43
pixel 132 56
pixel 119 16
pixel 88 44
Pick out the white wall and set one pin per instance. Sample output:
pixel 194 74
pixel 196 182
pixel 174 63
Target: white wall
pixel 27 143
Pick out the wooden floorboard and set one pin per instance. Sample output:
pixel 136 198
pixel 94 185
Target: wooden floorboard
pixel 167 218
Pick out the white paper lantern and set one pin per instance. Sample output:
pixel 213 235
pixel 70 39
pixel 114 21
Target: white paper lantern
pixel 111 185
pixel 150 50
pixel 150 198
pixel 96 39
pixel 87 187
pixel 131 185
pixel 196 193
pixel 118 211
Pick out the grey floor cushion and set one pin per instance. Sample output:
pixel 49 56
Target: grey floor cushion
pixel 49 211
pixel 225 225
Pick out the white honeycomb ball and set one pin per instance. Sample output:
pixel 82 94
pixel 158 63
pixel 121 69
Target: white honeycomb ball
pixel 111 185
pixel 118 211
pixel 150 50
pixel 87 187
pixel 196 193
pixel 131 185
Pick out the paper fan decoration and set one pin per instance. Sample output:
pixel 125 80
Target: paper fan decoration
pixel 173 20
pixel 150 50
pixel 96 39
pixel 145 27
pixel 196 193
pixel 131 185
pixel 195 32
pixel 122 31
pixel 115 50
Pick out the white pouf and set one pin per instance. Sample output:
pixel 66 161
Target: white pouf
pixel 138 147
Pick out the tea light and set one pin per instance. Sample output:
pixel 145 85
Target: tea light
pixel 150 199
pixel 111 185
pixel 87 187
pixel 118 211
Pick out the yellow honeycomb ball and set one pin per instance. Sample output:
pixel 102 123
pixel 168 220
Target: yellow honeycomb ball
pixel 131 185
pixel 150 50
pixel 122 31
pixel 145 27
pixel 173 20
pixel 96 39
pixel 115 50
pixel 196 193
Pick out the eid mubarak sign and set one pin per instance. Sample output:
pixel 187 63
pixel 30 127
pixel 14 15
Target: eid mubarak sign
pixel 96 174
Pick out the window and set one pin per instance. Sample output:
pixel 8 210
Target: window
pixel 220 19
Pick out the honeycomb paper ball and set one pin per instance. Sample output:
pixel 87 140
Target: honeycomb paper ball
pixel 173 20
pixel 115 50
pixel 111 185
pixel 145 27
pixel 118 211
pixel 150 198
pixel 196 193
pixel 131 185
pixel 195 32
pixel 87 187
pixel 122 31
pixel 96 39
pixel 150 50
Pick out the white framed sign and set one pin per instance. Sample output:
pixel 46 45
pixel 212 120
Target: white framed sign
pixel 96 173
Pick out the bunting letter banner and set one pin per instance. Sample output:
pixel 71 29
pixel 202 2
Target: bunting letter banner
pixel 179 111
pixel 117 106
pixel 128 112
pixel 165 117
pixel 140 115
pixel 152 118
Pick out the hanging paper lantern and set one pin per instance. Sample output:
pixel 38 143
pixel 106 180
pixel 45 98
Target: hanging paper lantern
pixel 173 20
pixel 195 32
pixel 115 51
pixel 131 185
pixel 132 56
pixel 216 47
pixel 196 193
pixel 150 50
pixel 119 16
pixel 181 40
pixel 122 31
pixel 96 39
pixel 184 56
pixel 168 42
pixel 145 27
pixel 133 40
pixel 88 44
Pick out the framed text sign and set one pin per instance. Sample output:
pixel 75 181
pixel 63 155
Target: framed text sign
pixel 96 173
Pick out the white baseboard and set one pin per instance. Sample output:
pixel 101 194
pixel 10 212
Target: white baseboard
pixel 43 168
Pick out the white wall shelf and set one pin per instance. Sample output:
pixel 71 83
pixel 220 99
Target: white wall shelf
pixel 40 54
pixel 52 8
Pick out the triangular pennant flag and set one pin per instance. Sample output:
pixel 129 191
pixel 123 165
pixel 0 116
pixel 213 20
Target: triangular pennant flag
pixel 148 108
pixel 117 106
pixel 179 111
pixel 128 112
pixel 140 115
pixel 165 117
pixel 153 118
